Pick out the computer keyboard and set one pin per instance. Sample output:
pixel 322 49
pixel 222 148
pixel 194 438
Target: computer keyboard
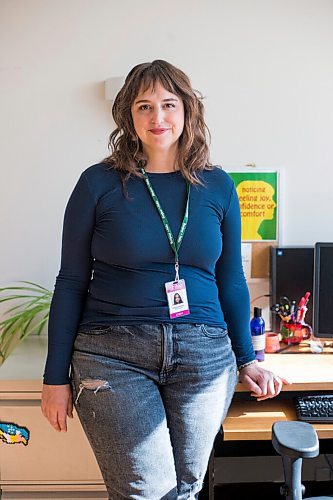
pixel 315 409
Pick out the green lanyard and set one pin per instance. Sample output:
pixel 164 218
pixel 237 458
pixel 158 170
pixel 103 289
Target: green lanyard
pixel 174 245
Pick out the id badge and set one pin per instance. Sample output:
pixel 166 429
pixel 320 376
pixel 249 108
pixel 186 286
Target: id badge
pixel 177 298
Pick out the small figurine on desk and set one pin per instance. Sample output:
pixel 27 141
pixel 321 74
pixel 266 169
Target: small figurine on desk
pixel 293 329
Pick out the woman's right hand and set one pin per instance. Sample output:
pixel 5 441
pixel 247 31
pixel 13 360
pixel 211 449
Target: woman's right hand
pixel 57 404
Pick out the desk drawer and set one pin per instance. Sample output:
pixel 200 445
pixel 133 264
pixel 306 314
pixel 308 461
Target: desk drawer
pixel 50 456
pixel 52 492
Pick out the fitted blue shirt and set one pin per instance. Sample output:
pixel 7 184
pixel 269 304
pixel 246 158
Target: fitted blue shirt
pixel 116 259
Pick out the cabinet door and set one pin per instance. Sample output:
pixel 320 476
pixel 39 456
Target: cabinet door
pixel 50 456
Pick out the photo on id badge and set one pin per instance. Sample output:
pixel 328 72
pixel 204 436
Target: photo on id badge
pixel 177 298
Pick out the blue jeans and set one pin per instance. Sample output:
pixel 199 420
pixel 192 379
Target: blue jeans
pixel 151 398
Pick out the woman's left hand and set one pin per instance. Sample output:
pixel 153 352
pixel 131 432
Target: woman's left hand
pixel 262 383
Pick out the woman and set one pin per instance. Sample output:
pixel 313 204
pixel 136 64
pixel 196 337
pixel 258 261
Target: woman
pixel 151 383
pixel 177 299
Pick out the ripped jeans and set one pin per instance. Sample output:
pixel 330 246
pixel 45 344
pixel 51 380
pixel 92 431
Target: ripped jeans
pixel 151 398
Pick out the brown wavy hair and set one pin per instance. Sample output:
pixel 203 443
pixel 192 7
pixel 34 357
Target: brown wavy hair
pixel 127 154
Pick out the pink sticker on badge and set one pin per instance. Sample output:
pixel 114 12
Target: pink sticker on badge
pixel 177 298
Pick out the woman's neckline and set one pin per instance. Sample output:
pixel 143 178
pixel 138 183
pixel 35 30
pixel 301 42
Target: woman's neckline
pixel 164 174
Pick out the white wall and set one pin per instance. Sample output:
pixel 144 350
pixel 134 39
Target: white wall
pixel 265 67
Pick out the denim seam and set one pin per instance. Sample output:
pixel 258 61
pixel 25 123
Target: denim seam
pixel 169 359
pixel 219 336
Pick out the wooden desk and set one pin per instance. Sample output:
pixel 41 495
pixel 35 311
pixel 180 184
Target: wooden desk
pixel 252 420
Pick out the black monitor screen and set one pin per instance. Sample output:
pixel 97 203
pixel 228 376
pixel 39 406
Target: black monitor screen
pixel 291 276
pixel 323 290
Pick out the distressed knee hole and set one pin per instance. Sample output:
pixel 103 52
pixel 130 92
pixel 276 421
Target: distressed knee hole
pixel 92 384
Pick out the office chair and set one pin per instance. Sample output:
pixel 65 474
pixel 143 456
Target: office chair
pixel 295 441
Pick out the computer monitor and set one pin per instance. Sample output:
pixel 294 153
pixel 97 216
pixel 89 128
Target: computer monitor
pixel 291 274
pixel 323 290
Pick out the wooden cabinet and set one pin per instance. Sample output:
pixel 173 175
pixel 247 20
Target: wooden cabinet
pixel 53 464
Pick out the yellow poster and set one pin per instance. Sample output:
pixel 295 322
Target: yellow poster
pixel 258 200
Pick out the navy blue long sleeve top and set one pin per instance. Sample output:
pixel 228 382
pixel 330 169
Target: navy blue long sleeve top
pixel 116 259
